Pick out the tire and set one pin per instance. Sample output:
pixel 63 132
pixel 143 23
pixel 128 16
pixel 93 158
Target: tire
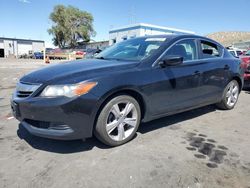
pixel 118 121
pixel 230 96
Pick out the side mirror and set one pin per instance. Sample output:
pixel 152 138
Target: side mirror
pixel 171 61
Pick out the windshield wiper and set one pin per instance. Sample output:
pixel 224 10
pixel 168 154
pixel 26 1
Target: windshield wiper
pixel 114 59
pixel 104 58
pixel 101 58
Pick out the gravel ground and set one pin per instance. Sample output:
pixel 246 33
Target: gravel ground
pixel 201 148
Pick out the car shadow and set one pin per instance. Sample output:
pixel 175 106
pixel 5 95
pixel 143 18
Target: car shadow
pixel 59 146
pixel 173 119
pixel 74 146
pixel 247 91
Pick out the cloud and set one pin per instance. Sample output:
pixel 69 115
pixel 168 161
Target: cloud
pixel 24 1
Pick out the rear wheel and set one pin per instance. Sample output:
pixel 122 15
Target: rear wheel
pixel 230 96
pixel 118 121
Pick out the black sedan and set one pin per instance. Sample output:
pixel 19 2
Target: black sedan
pixel 134 81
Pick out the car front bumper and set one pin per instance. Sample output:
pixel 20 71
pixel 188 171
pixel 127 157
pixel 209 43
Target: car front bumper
pixel 57 118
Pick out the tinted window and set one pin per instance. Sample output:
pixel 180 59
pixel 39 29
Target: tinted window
pixel 185 49
pixel 209 50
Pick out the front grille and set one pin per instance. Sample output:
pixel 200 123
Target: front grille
pixel 23 94
pixel 24 90
pixel 38 124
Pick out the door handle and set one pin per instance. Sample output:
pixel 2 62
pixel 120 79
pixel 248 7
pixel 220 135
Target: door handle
pixel 226 67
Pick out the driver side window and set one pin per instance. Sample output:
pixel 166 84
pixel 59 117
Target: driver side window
pixel 185 48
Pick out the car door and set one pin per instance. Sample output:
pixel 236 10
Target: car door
pixel 215 71
pixel 177 88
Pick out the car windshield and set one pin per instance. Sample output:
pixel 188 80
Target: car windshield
pixel 133 50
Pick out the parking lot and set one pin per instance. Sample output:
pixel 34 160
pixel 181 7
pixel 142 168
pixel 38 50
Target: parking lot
pixel 201 148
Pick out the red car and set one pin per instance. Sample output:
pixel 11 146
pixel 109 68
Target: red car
pixel 245 59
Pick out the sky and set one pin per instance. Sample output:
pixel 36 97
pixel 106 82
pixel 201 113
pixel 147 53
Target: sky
pixel 29 19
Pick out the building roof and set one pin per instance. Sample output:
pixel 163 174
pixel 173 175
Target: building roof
pixel 148 26
pixel 26 40
pixel 97 42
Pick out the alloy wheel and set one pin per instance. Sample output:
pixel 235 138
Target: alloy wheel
pixel 232 94
pixel 121 121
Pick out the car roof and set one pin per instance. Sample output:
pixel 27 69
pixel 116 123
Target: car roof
pixel 181 36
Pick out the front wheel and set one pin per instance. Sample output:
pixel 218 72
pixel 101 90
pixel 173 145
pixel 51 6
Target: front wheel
pixel 118 121
pixel 230 96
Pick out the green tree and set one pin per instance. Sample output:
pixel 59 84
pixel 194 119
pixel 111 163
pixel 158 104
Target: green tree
pixel 70 25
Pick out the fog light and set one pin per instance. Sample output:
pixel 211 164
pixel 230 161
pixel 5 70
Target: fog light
pixel 58 127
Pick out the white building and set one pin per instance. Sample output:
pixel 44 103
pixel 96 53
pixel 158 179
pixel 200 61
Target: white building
pixel 141 29
pixel 12 47
pixel 242 45
pixel 98 45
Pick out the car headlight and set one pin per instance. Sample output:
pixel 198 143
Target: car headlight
pixel 70 90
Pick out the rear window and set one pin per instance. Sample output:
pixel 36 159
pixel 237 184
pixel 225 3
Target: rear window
pixel 210 50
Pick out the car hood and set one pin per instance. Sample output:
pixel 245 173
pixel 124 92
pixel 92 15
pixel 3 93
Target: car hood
pixel 76 71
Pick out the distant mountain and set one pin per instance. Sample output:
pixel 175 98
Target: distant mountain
pixel 229 38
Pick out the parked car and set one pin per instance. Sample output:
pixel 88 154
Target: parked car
pixel 246 66
pixel 49 51
pixel 30 54
pixel 90 53
pixel 80 53
pixel 38 55
pixel 134 81
pixel 23 56
pixel 236 53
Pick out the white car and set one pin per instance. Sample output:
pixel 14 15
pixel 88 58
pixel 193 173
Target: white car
pixel 236 52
